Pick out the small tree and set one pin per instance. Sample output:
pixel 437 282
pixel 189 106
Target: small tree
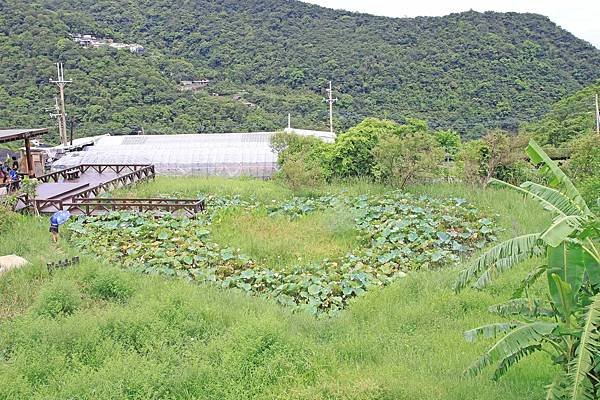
pixel 415 157
pixel 497 155
pixel 567 325
pixel 300 171
pixel 28 189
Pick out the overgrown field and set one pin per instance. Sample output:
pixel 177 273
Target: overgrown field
pixel 397 233
pixel 98 331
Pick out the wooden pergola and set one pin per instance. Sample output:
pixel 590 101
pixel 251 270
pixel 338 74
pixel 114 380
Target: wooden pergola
pixel 11 135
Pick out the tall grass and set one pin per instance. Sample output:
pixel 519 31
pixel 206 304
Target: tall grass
pixel 128 336
pixel 279 241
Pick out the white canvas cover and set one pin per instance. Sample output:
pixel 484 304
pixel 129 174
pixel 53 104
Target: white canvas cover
pixel 228 154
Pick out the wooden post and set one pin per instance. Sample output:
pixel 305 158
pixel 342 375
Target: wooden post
pixel 30 169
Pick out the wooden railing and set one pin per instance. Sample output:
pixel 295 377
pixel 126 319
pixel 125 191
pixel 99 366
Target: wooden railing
pixel 86 200
pixel 189 207
pixel 99 168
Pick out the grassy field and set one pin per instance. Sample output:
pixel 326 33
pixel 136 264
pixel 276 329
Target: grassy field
pixel 139 337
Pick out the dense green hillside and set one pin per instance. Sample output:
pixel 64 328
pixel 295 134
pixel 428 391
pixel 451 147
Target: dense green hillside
pixel 467 71
pixel 570 117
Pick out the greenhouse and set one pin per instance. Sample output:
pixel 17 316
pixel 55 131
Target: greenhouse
pixel 227 154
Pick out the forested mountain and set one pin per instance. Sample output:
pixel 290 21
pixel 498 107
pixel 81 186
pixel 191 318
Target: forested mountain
pixel 570 117
pixel 467 71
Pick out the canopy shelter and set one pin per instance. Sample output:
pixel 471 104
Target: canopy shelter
pixel 11 135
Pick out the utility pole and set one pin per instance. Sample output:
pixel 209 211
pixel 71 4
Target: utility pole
pixel 61 83
pixel 56 114
pixel 72 122
pixel 330 100
pixel 597 116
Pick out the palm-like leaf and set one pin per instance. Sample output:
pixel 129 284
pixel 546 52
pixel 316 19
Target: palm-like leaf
pixel 582 380
pixel 529 280
pixel 554 197
pixel 489 331
pixel 527 307
pixel 519 342
pixel 500 258
pixel 559 178
pixel 556 388
pixel 546 199
pixel 561 229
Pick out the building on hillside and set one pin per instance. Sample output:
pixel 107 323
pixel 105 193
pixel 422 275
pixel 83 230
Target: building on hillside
pixel 223 154
pixel 193 85
pixel 90 41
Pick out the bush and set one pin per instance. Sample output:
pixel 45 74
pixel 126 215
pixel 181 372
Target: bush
pixel 353 149
pixel 300 171
pixel 498 155
pixel 584 166
pixel 108 286
pixel 414 158
pixel 59 299
pixel 585 157
pixel 449 140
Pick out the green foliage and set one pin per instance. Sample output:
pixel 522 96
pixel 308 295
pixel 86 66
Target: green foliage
pixel 399 233
pixel 570 331
pixel 449 140
pixel 300 171
pixel 403 68
pixel 352 154
pixel 59 299
pixel 567 119
pixel 107 285
pixel 497 155
pixel 584 167
pixel 411 158
pixel 303 160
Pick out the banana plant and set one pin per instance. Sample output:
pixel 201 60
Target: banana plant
pixel 565 324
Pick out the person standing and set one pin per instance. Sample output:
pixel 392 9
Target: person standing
pixel 54 228
pixel 14 179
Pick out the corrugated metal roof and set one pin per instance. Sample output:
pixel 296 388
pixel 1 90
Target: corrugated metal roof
pixel 10 135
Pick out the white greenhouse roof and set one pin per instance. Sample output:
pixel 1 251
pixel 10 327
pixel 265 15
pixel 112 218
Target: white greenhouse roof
pixel 226 154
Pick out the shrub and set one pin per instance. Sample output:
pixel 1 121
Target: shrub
pixel 584 166
pixel 585 157
pixel 590 190
pixel 498 155
pixel 449 140
pixel 300 171
pixel 352 154
pixel 109 286
pixel 59 299
pixel 416 157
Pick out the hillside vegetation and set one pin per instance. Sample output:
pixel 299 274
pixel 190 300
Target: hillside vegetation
pixel 570 117
pixel 467 71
